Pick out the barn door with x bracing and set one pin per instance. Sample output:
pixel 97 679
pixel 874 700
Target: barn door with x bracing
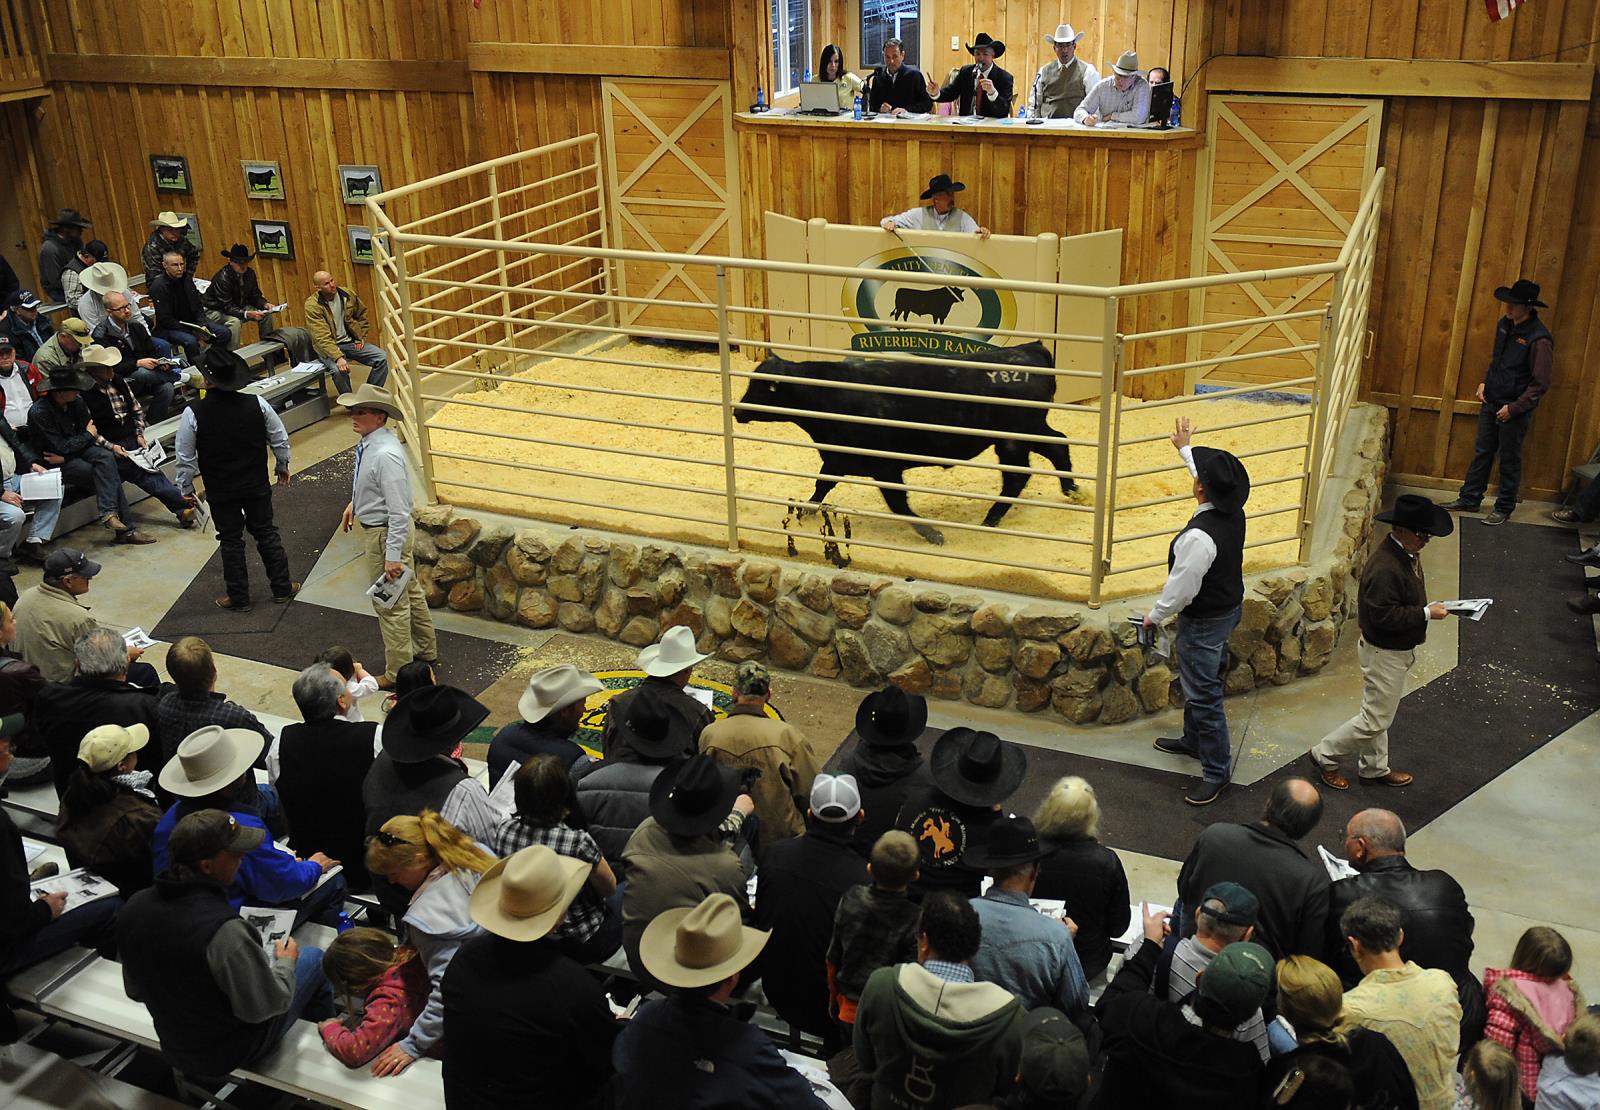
pixel 1283 178
pixel 672 176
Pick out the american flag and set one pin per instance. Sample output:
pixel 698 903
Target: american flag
pixel 1499 9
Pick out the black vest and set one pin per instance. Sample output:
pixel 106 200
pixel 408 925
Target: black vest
pixel 394 789
pixel 322 773
pixel 162 935
pixel 1222 588
pixel 230 438
pixel 1511 367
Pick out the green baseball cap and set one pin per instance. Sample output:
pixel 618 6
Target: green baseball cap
pixel 1237 980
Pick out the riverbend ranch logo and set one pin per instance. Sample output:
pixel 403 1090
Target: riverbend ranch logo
pixel 880 303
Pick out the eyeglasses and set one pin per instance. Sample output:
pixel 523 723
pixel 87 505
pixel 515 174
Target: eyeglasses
pixel 389 840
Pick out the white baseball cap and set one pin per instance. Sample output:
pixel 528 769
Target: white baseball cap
pixel 835 798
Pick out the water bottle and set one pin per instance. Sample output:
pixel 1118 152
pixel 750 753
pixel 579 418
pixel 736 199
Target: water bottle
pixel 345 924
pixel 808 75
pixel 761 99
pixel 858 106
pixel 1175 119
pixel 1022 112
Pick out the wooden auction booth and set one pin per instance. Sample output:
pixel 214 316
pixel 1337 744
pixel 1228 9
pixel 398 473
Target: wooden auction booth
pixel 1487 131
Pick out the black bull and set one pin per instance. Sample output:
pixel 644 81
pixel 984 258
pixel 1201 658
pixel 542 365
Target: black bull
pixel 803 386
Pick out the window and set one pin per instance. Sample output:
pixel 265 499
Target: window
pixel 882 20
pixel 791 44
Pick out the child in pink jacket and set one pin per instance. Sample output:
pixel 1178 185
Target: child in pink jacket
pixel 392 980
pixel 1532 1002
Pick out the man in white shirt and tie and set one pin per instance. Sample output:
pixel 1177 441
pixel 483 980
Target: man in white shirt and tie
pixel 1205 587
pixel 380 502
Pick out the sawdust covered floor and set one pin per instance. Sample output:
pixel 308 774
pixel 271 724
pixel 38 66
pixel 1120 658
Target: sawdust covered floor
pixel 684 499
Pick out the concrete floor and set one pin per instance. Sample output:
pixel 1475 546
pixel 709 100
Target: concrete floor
pixel 1510 845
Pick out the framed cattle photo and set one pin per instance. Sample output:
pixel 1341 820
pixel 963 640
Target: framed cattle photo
pixel 357 183
pixel 171 172
pixel 192 231
pixel 262 180
pixel 272 238
pixel 361 252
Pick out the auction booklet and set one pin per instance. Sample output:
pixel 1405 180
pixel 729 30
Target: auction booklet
pixel 80 886
pixel 272 923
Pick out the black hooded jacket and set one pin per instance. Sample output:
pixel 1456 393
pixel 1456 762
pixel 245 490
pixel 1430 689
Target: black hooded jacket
pixel 884 776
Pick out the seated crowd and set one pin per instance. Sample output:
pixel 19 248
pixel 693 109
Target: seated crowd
pixel 600 927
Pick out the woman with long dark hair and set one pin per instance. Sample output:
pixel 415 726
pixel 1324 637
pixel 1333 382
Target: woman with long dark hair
pixel 830 67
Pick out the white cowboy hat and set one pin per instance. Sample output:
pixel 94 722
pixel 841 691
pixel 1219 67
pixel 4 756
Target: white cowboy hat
pixel 1127 65
pixel 675 652
pixel 525 895
pixel 699 946
pixel 170 219
pixel 555 688
pixel 209 759
pixel 96 355
pixel 1064 33
pixel 105 277
pixel 370 396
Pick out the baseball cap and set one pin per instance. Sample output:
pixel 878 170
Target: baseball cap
pixel 1055 1061
pixel 835 798
pixel 6 342
pixel 202 835
pixel 106 746
pixel 77 329
pixel 23 298
pixel 11 724
pixel 65 560
pixel 752 678
pixel 1240 907
pixel 1237 980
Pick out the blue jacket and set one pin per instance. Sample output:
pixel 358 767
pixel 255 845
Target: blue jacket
pixel 1028 954
pixel 269 876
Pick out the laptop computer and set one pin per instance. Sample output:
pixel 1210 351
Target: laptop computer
pixel 819 98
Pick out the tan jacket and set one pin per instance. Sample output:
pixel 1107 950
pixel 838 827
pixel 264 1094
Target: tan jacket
pixel 319 322
pixel 49 620
pixel 746 739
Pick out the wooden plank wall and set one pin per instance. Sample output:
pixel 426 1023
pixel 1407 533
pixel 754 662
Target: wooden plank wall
pixel 1479 192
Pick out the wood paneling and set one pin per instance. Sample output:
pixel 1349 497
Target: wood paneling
pixel 614 61
pixel 266 73
pixel 1405 77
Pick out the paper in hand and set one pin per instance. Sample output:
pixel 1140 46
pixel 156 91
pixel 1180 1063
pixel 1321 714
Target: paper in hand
pixel 40 487
pixel 1473 608
pixel 138 638
pixel 384 593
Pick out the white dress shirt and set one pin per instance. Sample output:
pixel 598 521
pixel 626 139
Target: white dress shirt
pixel 381 489
pixel 1192 556
pixel 926 219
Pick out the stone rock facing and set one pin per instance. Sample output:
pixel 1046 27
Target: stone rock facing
pixel 867 629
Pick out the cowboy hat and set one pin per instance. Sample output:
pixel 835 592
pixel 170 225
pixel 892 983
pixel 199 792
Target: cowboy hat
pixel 1127 65
pixel 1064 33
pixel 983 39
pixel 555 688
pixel 225 370
pixel 105 277
pixel 96 355
pixel 1012 842
pixel 105 746
pixel 646 728
pixel 370 396
pixel 975 768
pixel 170 219
pixel 1419 514
pixel 66 380
pixel 700 945
pixel 1226 480
pixel 891 717
pixel 942 184
pixel 238 253
pixel 430 722
pixel 210 758
pixel 71 217
pixel 674 652
pixel 526 895
pixel 688 798
pixel 1522 291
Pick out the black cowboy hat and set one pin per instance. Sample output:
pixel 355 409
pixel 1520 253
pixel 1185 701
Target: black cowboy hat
pixel 1226 480
pixel 890 717
pixel 646 728
pixel 238 253
pixel 70 217
pixel 1012 842
pixel 942 184
pixel 225 370
pixel 983 39
pixel 430 722
pixel 1522 291
pixel 691 797
pixel 977 768
pixel 1416 512
pixel 68 378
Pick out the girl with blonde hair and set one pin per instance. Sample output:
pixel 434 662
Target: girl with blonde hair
pixel 1488 1079
pixel 1311 999
pixel 1083 873
pixel 392 983
pixel 441 866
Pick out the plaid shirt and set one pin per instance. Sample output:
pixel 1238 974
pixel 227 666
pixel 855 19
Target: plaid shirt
pixel 587 912
pixel 872 928
pixel 119 397
pixel 180 714
pixel 1517 1024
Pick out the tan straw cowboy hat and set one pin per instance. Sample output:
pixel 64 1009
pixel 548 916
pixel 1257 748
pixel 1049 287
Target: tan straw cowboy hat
pixel 105 277
pixel 700 946
pixel 170 219
pixel 370 396
pixel 209 759
pixel 675 652
pixel 525 895
pixel 554 688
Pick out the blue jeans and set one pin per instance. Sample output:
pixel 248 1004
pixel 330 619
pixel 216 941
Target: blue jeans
pixel 153 482
pixel 157 388
pixel 323 904
pixel 367 355
pixel 312 1000
pixel 1202 662
pixel 41 528
pixel 1504 439
pixel 91 926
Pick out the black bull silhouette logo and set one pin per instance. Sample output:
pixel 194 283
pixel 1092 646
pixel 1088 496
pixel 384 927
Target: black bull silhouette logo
pixel 932 303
